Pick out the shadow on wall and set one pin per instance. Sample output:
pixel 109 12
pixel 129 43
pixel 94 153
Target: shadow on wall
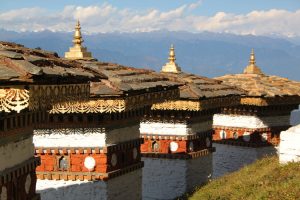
pixel 295 117
pixel 125 187
pixel 228 158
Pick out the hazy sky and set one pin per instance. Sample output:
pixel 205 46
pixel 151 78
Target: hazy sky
pixel 258 17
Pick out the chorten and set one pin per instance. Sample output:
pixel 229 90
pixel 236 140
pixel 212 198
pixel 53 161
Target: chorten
pixel 27 91
pixel 252 68
pixel 177 148
pixel 248 131
pixel 78 51
pixel 91 149
pixel 171 66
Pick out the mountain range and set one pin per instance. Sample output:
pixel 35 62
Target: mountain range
pixel 208 54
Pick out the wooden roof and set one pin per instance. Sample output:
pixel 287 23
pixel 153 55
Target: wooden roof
pixel 262 85
pixel 196 87
pixel 19 64
pixel 123 80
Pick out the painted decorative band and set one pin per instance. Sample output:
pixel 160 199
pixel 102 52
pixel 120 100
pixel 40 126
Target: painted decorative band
pixel 90 176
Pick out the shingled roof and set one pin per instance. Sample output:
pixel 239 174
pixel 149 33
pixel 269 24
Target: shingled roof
pixel 263 85
pixel 20 64
pixel 258 85
pixel 196 87
pixel 123 80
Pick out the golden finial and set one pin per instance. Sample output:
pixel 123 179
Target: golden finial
pixel 252 58
pixel 252 68
pixel 77 35
pixel 172 57
pixel 78 51
pixel 171 66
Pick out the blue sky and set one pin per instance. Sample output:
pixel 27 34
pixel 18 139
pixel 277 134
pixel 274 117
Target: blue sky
pixel 256 17
pixel 209 7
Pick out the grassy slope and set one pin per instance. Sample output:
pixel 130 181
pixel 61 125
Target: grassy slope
pixel 265 179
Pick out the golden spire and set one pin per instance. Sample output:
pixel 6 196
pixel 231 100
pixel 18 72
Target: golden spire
pixel 171 66
pixel 172 57
pixel 78 51
pixel 252 68
pixel 77 35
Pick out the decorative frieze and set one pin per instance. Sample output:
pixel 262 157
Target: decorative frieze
pixel 115 105
pixel 197 105
pixel 267 101
pixel 248 137
pixel 12 99
pixel 175 144
pixel 87 176
pixel 37 97
pixel 251 110
pixel 80 160
pixel 45 96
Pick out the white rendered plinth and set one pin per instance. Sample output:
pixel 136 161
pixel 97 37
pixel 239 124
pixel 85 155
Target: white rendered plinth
pixel 169 178
pixel 229 158
pixel 125 187
pixel 289 148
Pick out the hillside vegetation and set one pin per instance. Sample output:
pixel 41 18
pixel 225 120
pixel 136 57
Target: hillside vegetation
pixel 265 179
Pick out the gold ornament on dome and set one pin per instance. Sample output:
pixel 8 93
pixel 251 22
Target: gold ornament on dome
pixel 171 66
pixel 78 51
pixel 252 68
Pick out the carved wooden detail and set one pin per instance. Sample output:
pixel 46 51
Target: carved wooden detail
pixel 114 105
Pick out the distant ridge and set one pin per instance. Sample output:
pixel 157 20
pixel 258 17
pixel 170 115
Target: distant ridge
pixel 208 54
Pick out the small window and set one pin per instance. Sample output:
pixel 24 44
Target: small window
pixel 155 146
pixel 63 163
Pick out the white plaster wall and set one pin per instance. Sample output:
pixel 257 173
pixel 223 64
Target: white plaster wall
pixel 228 158
pixel 165 179
pixel 15 153
pixel 96 137
pixel 116 136
pixel 289 148
pixel 244 121
pixel 164 128
pixel 125 187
